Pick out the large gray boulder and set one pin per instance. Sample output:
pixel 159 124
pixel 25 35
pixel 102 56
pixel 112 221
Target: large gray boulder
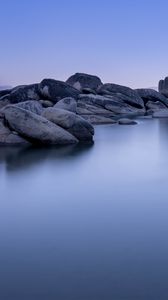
pixel 152 95
pixel 132 96
pixel 4 100
pixel 36 128
pixel 24 93
pixel 56 90
pixel 84 81
pixel 85 109
pixel 111 103
pixel 76 125
pixel 33 106
pixel 68 103
pixel 7 137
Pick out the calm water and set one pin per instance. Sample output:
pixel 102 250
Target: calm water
pixel 87 223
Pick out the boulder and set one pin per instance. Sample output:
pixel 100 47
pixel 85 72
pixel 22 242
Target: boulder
pixel 126 122
pixel 76 125
pixel 152 95
pixel 46 103
pixel 24 93
pixel 35 128
pixel 132 96
pixel 88 91
pixel 7 137
pixel 163 87
pixel 84 81
pixel 68 103
pixel 33 106
pixel 56 90
pixel 5 92
pixel 85 109
pixel 97 119
pixel 162 113
pixel 150 105
pixel 112 103
pixel 4 100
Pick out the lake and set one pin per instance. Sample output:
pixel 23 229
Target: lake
pixel 87 222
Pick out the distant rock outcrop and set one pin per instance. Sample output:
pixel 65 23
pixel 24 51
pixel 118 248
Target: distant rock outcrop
pixel 57 112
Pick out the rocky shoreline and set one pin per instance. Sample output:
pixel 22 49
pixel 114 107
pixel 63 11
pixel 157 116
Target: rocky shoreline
pixel 60 113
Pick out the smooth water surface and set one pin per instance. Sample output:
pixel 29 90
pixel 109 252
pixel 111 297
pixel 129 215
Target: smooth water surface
pixel 87 222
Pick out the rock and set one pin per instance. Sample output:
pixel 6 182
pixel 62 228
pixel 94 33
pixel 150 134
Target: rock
pixel 163 84
pixel 4 100
pixel 162 113
pixel 4 131
pixel 15 139
pixel 56 90
pixel 85 109
pixel 97 119
pixel 5 92
pixel 152 95
pixel 9 138
pixel 24 93
pixel 150 105
pixel 35 128
pixel 111 103
pixel 33 106
pixel 46 103
pixel 84 81
pixel 88 91
pixel 76 125
pixel 126 122
pixel 132 97
pixel 68 103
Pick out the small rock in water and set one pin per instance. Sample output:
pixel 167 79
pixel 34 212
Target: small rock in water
pixel 127 122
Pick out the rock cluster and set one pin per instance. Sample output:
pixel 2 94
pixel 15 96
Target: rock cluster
pixel 56 112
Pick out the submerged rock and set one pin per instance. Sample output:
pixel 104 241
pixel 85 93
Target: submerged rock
pixel 76 125
pixel 126 122
pixel 36 128
pixel 83 81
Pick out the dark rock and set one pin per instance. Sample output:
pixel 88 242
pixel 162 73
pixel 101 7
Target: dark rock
pixel 36 128
pixel 111 103
pixel 24 93
pixel 126 122
pixel 88 91
pixel 85 109
pixel 33 106
pixel 46 103
pixel 155 105
pixel 68 103
pixel 132 96
pixel 76 125
pixel 56 90
pixel 5 92
pixel 149 94
pixel 84 81
pixel 4 100
pixel 97 119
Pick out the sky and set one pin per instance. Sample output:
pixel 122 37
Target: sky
pixel 121 41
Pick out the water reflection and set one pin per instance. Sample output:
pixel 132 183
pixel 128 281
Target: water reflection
pixel 17 158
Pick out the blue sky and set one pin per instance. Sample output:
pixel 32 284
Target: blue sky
pixel 122 41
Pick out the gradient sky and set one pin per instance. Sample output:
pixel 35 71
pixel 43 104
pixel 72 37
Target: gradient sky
pixel 122 41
